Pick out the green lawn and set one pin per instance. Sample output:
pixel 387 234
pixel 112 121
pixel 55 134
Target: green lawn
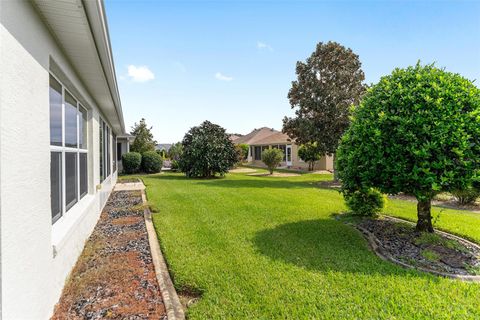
pixel 268 247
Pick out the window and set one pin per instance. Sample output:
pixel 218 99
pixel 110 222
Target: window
pixel 68 149
pixel 258 153
pixel 119 151
pixel 105 150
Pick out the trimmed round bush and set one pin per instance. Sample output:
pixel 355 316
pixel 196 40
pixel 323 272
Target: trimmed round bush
pixel 151 162
pixel 366 203
pixel 131 162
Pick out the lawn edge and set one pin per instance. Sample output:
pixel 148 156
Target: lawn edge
pixel 171 301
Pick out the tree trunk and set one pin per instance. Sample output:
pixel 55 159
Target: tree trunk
pixel 424 223
pixel 271 170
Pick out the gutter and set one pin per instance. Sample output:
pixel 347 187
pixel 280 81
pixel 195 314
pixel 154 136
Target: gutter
pixel 97 20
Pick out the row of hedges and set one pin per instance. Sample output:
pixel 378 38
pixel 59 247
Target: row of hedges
pixel 148 162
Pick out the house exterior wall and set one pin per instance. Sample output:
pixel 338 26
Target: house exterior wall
pixel 325 163
pixel 36 256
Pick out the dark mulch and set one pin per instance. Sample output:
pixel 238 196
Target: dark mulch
pixel 114 277
pixel 430 251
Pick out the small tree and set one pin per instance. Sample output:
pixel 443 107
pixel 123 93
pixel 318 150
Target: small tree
pixel 327 85
pixel 143 138
pixel 309 153
pixel 244 147
pixel 272 158
pixel 207 150
pixel 175 151
pixel 417 131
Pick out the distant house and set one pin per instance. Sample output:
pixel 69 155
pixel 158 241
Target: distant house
pixel 61 120
pixel 264 138
pixel 163 146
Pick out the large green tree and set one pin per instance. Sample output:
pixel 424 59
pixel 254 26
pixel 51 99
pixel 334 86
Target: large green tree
pixel 327 85
pixel 417 131
pixel 207 150
pixel 143 138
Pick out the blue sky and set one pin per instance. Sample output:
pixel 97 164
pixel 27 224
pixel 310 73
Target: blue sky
pixel 182 62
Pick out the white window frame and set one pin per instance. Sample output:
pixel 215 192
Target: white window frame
pixel 106 148
pixel 62 149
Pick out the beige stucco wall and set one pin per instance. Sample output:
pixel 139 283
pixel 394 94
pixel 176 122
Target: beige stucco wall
pixel 325 163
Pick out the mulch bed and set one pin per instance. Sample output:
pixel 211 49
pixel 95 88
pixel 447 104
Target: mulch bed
pixel 114 277
pixel 435 252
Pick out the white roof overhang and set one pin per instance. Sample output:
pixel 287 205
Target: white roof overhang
pixel 80 28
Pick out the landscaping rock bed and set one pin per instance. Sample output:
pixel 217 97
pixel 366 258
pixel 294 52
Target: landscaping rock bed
pixel 114 277
pixel 439 253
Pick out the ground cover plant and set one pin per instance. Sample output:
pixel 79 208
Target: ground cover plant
pixel 264 247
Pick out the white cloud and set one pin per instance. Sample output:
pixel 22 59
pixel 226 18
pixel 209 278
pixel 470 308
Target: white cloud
pixel 263 46
pixel 222 77
pixel 140 73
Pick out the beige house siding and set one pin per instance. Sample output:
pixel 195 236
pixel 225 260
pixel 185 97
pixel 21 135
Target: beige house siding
pixel 325 163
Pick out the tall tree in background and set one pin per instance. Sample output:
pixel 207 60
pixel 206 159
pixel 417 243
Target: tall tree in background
pixel 143 138
pixel 327 85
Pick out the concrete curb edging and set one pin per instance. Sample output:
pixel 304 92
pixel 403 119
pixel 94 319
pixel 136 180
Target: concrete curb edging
pixel 171 301
pixel 374 244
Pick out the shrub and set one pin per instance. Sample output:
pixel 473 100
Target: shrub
pixel 416 131
pixel 174 165
pixel 131 162
pixel 272 158
pixel 466 196
pixel 151 162
pixel 207 150
pixel 367 203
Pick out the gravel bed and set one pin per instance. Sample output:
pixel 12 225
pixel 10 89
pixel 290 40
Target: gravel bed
pixel 114 277
pixel 434 252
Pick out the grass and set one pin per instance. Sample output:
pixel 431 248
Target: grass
pixel 269 248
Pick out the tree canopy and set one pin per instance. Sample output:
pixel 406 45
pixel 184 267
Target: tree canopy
pixel 143 138
pixel 327 85
pixel 207 150
pixel 417 131
pixel 309 153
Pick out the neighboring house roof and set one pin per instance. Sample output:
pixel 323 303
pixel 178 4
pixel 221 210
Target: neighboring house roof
pixel 164 146
pixel 80 28
pixel 264 136
pixel 234 137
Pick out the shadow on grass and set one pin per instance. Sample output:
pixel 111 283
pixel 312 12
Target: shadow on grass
pixel 260 182
pixel 254 182
pixel 324 245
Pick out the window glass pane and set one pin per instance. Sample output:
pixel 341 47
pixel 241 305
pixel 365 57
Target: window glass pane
pixel 55 112
pixel 83 175
pixel 101 151
pixel 258 153
pixel 56 184
pixel 70 179
pixel 82 117
pixel 283 148
pixel 119 151
pixel 70 121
